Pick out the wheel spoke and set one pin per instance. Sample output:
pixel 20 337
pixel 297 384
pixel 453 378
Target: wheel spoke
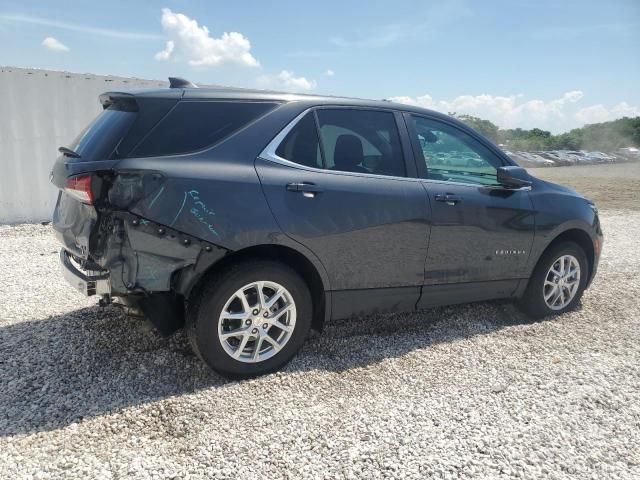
pixel 551 292
pixel 241 347
pixel 235 333
pixel 282 326
pixel 556 297
pixel 282 311
pixel 245 303
pixel 261 299
pixel 274 343
pixel 258 345
pixel 234 316
pixel 276 296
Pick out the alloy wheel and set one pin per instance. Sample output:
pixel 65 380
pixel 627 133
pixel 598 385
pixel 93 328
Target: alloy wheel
pixel 562 282
pixel 257 321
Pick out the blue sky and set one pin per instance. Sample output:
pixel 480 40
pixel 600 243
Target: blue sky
pixel 552 64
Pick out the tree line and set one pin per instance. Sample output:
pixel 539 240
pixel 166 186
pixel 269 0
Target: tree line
pixel 606 136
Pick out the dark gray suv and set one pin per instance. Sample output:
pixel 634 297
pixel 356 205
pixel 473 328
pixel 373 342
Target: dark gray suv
pixel 253 216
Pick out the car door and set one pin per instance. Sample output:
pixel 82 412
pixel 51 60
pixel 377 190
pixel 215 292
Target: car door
pixel 481 232
pixel 336 181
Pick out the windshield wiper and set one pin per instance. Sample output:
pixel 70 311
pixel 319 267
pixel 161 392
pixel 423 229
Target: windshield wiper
pixel 67 152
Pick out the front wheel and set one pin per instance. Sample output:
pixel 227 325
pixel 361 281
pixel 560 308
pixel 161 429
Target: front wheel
pixel 251 319
pixel 558 281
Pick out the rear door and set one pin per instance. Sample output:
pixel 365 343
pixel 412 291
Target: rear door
pixel 481 232
pixel 337 181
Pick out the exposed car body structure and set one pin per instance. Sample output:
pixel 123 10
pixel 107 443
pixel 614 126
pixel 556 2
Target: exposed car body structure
pixel 170 188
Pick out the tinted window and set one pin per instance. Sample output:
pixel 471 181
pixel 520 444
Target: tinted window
pixel 453 155
pixel 301 144
pixel 364 141
pixel 194 125
pixel 99 140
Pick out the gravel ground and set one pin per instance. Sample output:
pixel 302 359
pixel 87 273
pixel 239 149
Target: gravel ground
pixel 616 186
pixel 469 391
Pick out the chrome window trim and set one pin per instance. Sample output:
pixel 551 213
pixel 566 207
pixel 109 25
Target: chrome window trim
pixel 269 153
pixel 490 186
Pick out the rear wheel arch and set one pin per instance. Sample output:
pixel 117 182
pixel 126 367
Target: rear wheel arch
pixel 294 259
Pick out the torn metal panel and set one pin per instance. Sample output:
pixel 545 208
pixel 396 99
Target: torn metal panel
pixel 144 256
pixel 73 223
pixel 128 188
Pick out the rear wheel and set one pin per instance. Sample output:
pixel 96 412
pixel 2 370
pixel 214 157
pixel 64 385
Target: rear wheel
pixel 558 281
pixel 251 319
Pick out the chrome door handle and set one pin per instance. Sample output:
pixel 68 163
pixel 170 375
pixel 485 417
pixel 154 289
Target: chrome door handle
pixel 448 198
pixel 309 190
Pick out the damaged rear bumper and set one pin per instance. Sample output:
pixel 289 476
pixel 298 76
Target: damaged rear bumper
pixel 87 283
pixel 131 256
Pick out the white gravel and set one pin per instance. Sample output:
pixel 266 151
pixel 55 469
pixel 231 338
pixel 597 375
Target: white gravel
pixel 470 391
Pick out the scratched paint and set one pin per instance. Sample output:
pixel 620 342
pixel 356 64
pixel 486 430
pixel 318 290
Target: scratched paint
pixel 184 201
pixel 156 197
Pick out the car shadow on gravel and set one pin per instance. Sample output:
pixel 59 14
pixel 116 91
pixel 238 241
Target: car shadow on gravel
pixel 96 361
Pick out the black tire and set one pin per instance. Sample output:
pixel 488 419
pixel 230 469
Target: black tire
pixel 532 302
pixel 205 308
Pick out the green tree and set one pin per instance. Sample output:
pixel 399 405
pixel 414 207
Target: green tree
pixel 606 136
pixel 485 127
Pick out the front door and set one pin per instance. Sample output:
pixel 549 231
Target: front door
pixel 481 232
pixel 337 183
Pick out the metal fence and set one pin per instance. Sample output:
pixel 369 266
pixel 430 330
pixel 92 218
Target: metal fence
pixel 39 111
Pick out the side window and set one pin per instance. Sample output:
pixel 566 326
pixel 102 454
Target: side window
pixel 194 125
pixel 364 141
pixel 301 145
pixel 453 155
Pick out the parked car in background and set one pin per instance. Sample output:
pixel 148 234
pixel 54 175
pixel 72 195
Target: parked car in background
pixel 252 217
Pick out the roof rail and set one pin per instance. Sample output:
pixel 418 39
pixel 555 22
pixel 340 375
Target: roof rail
pixel 175 82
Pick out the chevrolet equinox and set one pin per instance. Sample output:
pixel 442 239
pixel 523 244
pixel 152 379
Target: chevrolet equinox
pixel 250 217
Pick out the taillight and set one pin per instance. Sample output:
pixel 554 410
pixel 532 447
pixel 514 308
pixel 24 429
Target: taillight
pixel 79 187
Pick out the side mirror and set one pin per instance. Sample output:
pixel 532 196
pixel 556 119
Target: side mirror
pixel 513 177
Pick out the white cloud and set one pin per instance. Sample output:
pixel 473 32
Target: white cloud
pixel 556 115
pixel 329 73
pixel 166 53
pixel 599 113
pixel 192 43
pixel 286 80
pixel 51 43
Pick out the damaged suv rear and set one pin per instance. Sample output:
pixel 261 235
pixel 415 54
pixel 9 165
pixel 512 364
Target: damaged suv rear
pixel 159 188
pixel 251 217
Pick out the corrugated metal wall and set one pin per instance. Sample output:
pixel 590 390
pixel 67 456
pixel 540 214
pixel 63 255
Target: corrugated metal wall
pixel 39 111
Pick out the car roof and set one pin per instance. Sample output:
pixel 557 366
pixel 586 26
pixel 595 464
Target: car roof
pixel 233 93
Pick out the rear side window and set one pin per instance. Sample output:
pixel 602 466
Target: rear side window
pixel 99 141
pixel 363 141
pixel 194 125
pixel 301 145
